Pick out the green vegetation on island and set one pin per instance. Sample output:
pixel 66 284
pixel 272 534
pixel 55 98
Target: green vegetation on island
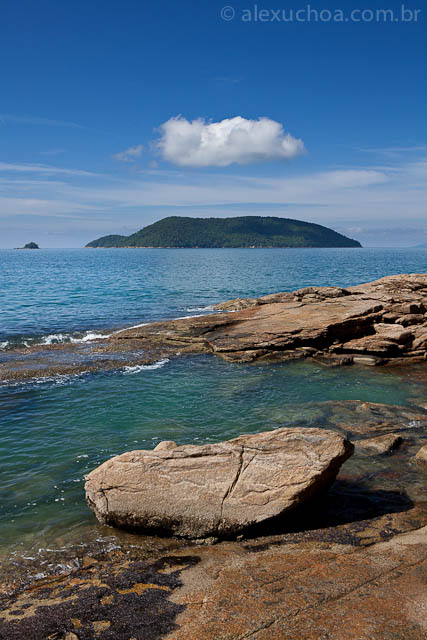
pixel 244 231
pixel 30 245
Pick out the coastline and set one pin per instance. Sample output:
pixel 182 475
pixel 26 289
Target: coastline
pixel 371 522
pixel 383 322
pixel 360 540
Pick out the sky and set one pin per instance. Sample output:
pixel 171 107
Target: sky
pixel 116 114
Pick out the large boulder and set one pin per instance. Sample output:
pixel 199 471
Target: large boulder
pixel 215 489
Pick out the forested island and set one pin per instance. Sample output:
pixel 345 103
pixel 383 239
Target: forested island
pixel 238 232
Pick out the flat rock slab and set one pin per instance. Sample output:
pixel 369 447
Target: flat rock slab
pixel 216 489
pixel 234 591
pixel 307 592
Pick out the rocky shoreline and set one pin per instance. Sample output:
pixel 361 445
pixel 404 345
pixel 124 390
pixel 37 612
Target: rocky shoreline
pixel 378 323
pixel 350 563
pixel 347 563
pixel 375 323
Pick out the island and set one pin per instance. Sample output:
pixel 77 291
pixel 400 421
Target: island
pixel 239 232
pixel 29 245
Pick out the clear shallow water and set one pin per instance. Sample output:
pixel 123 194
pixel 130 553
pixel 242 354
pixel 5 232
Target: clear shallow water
pixel 53 432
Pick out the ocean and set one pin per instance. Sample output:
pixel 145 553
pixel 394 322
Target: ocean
pixel 53 431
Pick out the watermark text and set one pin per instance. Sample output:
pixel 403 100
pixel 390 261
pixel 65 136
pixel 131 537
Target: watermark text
pixel 311 14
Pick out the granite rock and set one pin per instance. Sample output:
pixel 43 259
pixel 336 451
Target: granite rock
pixel 216 489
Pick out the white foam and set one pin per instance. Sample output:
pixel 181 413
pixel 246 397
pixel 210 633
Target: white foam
pixel 91 335
pixel 60 338
pixel 54 338
pixel 145 367
pixel 4 344
pixel 210 307
pixel 62 378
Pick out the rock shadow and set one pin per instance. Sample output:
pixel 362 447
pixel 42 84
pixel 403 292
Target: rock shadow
pixel 345 503
pixel 114 600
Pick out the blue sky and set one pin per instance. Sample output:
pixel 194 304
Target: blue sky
pixel 114 115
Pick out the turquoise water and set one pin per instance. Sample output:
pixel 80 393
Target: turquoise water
pixel 53 433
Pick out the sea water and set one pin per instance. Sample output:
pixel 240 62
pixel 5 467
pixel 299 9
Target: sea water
pixel 54 431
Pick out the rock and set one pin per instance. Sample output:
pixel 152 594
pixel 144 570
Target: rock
pixel 236 305
pixel 422 455
pixel 412 308
pixel 393 332
pixel 321 293
pixel 348 321
pixel 381 444
pixel 331 360
pixel 410 318
pixel 420 340
pixel 216 489
pixel 336 585
pixel 370 361
pixel 391 317
pixel 166 445
pixel 371 345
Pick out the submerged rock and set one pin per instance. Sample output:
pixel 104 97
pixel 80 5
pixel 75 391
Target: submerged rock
pixel 381 444
pixel 216 489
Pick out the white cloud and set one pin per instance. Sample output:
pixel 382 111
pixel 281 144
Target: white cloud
pixel 129 155
pixel 219 144
pixel 42 168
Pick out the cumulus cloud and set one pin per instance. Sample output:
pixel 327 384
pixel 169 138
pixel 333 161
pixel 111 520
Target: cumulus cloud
pixel 129 155
pixel 219 144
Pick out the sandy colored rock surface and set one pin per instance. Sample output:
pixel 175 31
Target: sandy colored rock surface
pixel 216 489
pixel 422 455
pixel 379 445
pixel 308 592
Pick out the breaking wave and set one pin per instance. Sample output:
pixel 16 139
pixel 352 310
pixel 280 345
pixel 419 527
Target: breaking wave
pixel 145 367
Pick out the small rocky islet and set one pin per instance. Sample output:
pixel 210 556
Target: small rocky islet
pixel 30 245
pixel 323 532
